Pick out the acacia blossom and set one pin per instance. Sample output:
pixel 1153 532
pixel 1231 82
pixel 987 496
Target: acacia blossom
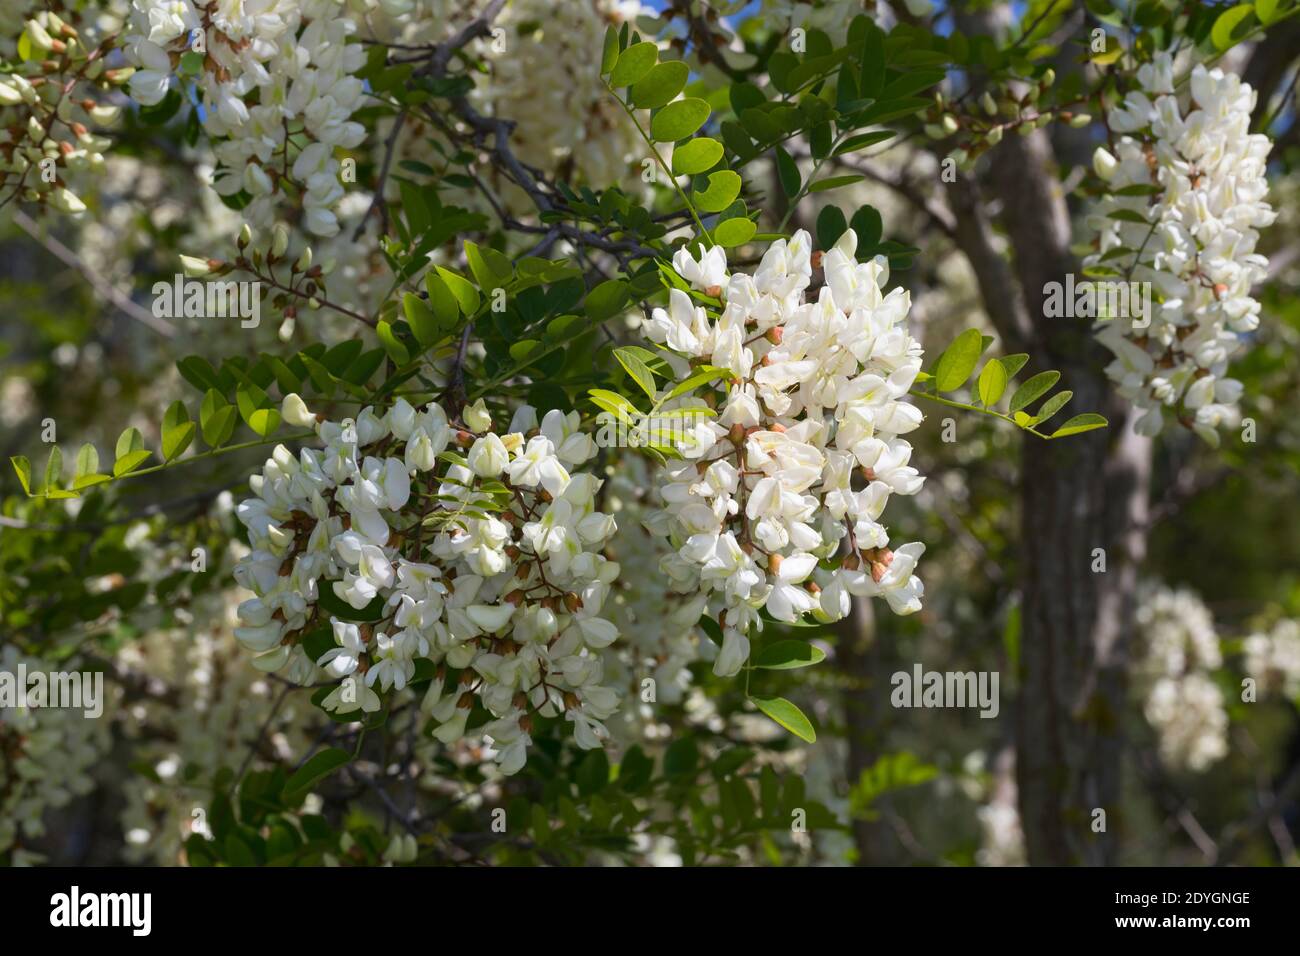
pixel 1186 187
pixel 271 75
pixel 775 506
pixel 440 542
pixel 1180 700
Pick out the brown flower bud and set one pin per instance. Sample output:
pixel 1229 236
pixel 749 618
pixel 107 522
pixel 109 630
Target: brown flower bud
pixel 775 334
pixel 572 602
pixel 466 701
pixel 571 701
pixel 816 259
pixel 774 563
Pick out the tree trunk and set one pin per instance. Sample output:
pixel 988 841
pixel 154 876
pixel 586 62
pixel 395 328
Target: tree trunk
pixel 1083 506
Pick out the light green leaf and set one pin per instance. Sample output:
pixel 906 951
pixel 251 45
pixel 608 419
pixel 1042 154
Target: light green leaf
pixel 464 291
pixel 992 382
pixel 23 468
pixel 1033 389
pixel 54 469
pixel 130 440
pixel 1053 405
pixel 679 120
pixel 658 87
pixel 1080 423
pixel 130 462
pixel 633 63
pixel 696 156
pixel 1014 363
pixel 788 716
pixel 958 361
pixel 264 421
pixel 724 186
pixel 734 232
pixel 446 309
pixel 1224 33
pixel 421 318
pixel 87 460
pixel 177 431
pixel 638 370
pixel 609 53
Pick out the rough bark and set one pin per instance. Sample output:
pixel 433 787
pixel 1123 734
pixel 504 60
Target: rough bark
pixel 1077 496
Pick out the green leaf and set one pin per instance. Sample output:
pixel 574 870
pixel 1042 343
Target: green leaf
pixel 992 382
pixel 787 655
pixel 130 440
pixel 679 120
pixel 199 372
pixel 606 300
pixel 23 468
pixel 696 156
pixel 1080 423
pixel 1225 32
pixel 711 629
pixel 394 346
pixel 1014 363
pixel 834 182
pixel 264 421
pixel 830 226
pixel 958 361
pixel 638 370
pixel 633 63
pixel 489 267
pixel 593 773
pixel 863 140
pixel 129 462
pixel 421 318
pixel 609 53
pixel 217 419
pixel 724 186
pixel 177 431
pixel 658 87
pixel 788 716
pixel 788 172
pixel 464 291
pixel 1033 389
pixel 1266 11
pixel 1053 405
pixel 446 309
pixel 867 224
pixel 733 232
pixel 313 771
pixel 54 469
pixel 87 460
pixel 872 80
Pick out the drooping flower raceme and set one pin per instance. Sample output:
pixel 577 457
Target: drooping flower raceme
pixel 413 547
pixel 1186 200
pixel 1273 658
pixel 1179 697
pixel 270 74
pixel 776 506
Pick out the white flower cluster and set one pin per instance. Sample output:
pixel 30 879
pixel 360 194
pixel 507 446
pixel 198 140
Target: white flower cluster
pixel 486 564
pixel 50 109
pixel 222 709
pixel 805 448
pixel 46 758
pixel 1273 658
pixel 271 74
pixel 1180 699
pixel 658 627
pixel 548 83
pixel 1186 198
